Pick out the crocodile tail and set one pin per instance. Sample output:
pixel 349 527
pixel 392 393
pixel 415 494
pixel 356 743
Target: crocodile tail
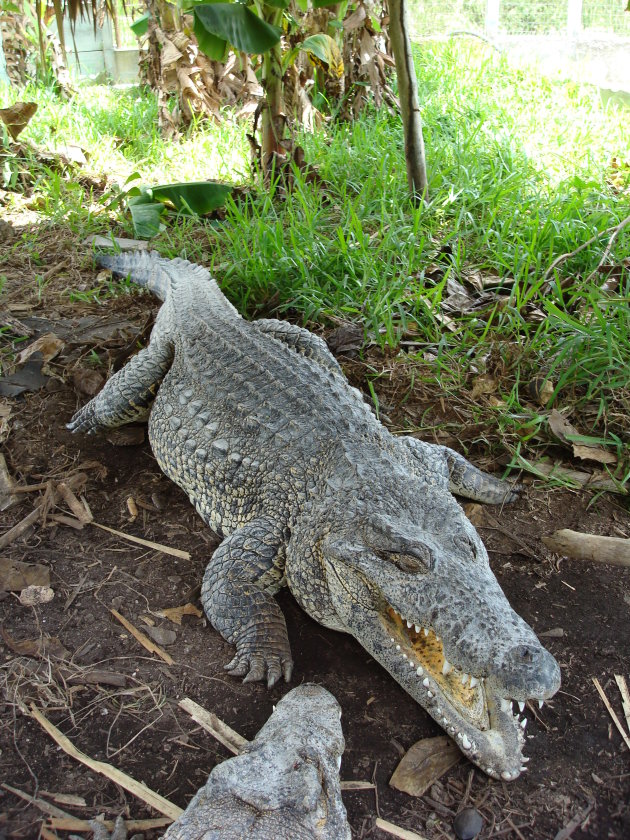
pixel 149 269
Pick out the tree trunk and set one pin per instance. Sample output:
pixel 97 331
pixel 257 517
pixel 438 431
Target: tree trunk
pixel 273 118
pixel 408 95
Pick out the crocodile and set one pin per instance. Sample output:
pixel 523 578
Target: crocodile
pixel 284 784
pixel 286 462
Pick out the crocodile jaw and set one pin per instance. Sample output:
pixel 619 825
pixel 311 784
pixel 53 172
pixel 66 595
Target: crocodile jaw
pixel 476 713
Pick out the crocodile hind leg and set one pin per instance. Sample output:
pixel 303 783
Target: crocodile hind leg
pixel 463 478
pixel 128 395
pixel 301 341
pixel 237 592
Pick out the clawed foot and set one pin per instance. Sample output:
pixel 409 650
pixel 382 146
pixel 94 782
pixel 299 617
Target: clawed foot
pixel 255 667
pixel 84 421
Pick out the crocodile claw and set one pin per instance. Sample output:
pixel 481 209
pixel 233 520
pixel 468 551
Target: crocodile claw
pixel 255 667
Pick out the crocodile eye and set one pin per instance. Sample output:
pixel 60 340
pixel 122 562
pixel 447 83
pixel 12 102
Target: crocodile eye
pixel 420 561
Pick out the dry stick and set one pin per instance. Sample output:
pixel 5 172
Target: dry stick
pixel 70 823
pixel 353 784
pixel 625 697
pixel 145 641
pixel 574 823
pixel 21 527
pixel 611 712
pixel 175 552
pixel 73 503
pixel 46 807
pixel 615 233
pixel 138 789
pixel 397 831
pixel 215 726
pixel 590 547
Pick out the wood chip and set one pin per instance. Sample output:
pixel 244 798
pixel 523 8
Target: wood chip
pixel 590 547
pixel 351 784
pixel 70 823
pixel 174 552
pixel 73 503
pixel 397 831
pixel 215 726
pixel 625 697
pixel 612 712
pixel 423 764
pixel 144 640
pixel 138 789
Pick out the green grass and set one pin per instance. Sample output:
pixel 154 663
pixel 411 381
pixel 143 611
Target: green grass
pixel 519 171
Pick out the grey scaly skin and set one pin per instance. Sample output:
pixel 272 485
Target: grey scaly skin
pixel 285 783
pixel 285 461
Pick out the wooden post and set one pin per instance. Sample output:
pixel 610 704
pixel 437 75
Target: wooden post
pixel 574 18
pixel 492 18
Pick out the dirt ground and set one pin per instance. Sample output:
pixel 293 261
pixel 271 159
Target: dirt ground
pixel 578 779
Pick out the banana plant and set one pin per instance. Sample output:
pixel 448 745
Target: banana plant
pixel 257 29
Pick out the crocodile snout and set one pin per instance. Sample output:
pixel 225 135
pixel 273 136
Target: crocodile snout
pixel 528 670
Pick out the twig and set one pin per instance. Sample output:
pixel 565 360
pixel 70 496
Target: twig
pixel 70 823
pixel 174 552
pixel 575 822
pixel 615 233
pixel 145 641
pixel 625 697
pixel 397 831
pixel 612 712
pixel 215 726
pixel 351 784
pixel 13 533
pixel 46 807
pixel 138 789
pixel 73 503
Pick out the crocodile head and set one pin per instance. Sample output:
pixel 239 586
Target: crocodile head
pixel 413 585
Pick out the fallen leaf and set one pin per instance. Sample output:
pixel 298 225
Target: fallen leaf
pixel 27 378
pixel 161 635
pixel 87 381
pixel 17 116
pixel 126 436
pixel 33 595
pixel 175 614
pixel 42 647
pixel 16 576
pixel 347 338
pixel 568 434
pixel 595 481
pixel 475 513
pixel 48 345
pixel 5 414
pixel 423 764
pixel 541 390
pixel 483 385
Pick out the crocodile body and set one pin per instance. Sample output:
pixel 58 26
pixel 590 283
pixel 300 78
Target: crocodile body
pixel 285 461
pixel 285 783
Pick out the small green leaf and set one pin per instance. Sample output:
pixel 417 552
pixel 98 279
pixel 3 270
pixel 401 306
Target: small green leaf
pixel 200 197
pixel 319 4
pixel 239 26
pixel 302 5
pixel 140 26
pixel 146 218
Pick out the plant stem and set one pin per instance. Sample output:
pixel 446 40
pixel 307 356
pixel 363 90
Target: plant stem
pixel 273 120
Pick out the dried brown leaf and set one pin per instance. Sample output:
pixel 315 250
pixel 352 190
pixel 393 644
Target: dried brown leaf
pixel 17 116
pixel 87 381
pixel 175 614
pixel 482 386
pixel 43 647
pixel 423 764
pixel 16 576
pixel 48 345
pixel 565 432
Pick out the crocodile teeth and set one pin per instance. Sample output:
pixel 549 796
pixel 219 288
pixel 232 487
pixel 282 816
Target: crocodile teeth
pixel 524 759
pixel 338 762
pixel 419 671
pixel 397 647
pixel 541 703
pixel 524 723
pixel 425 630
pixel 447 667
pixel 416 627
pixel 506 705
pixel 429 694
pixel 466 743
pixel 404 656
pixel 409 623
pixel 412 664
pixel 521 705
pixel 523 769
pixel 465 679
pixel 474 682
pixel 425 682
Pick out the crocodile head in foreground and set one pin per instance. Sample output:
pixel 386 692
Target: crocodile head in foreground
pixel 285 783
pixel 413 585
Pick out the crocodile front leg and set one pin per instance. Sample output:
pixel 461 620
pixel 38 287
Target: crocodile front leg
pixel 464 479
pixel 129 394
pixel 246 570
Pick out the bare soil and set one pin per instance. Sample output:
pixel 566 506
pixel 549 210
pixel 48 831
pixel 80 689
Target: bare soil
pixel 578 781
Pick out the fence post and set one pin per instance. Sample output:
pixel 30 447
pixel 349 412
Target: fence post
pixel 574 18
pixel 492 17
